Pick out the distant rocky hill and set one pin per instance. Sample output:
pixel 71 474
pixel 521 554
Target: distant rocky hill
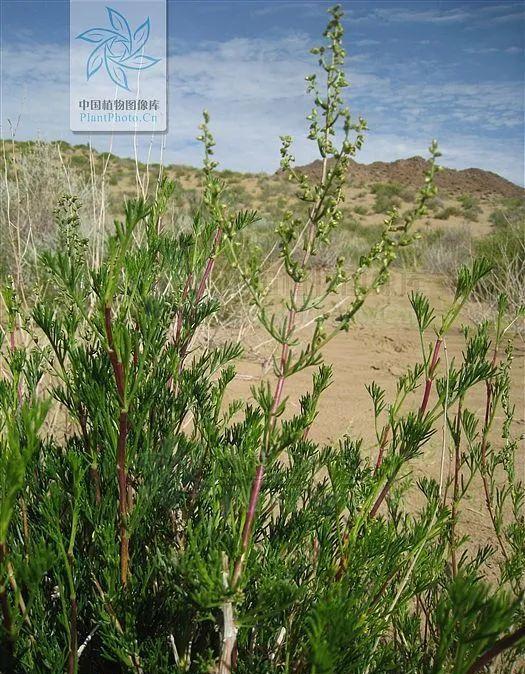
pixel 406 172
pixel 410 173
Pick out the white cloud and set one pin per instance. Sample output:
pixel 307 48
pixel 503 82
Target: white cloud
pixel 506 18
pixel 254 90
pixel 365 43
pixel 404 15
pixel 493 50
pixel 481 50
pixel 469 13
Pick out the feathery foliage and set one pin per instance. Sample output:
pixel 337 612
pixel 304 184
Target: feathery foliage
pixel 147 526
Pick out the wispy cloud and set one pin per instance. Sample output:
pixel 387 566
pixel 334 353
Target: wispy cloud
pixel 366 43
pixel 254 89
pixel 423 16
pixel 310 8
pixel 471 12
pixel 482 50
pixel 402 14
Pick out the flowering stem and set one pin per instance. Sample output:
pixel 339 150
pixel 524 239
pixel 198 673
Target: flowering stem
pixel 272 418
pixel 229 645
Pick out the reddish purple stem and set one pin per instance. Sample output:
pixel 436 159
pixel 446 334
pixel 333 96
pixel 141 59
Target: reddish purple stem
pixel 501 645
pixel 12 345
pixel 118 370
pixel 248 524
pixel 382 446
pixel 210 264
pixel 179 312
pixel 277 395
pixel 422 410
pixel 430 376
pixel 259 473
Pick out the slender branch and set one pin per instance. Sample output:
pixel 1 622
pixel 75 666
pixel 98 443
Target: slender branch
pixel 178 318
pixel 200 291
pixel 118 371
pixel 430 376
pixel 423 408
pixel 4 605
pixel 73 654
pixel 93 469
pixel 381 497
pixel 134 659
pixel 484 447
pixel 123 495
pixel 229 630
pixel 118 368
pixel 382 446
pixel 86 641
pixel 25 526
pixel 501 645
pixel 210 264
pixel 248 524
pixel 21 603
pixel 455 493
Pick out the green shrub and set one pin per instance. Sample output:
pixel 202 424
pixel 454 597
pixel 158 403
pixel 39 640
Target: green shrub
pixel 512 212
pixel 387 196
pixel 361 210
pixel 79 160
pixel 384 203
pixel 505 249
pixel 159 529
pixel 447 212
pixel 470 208
pixel 388 189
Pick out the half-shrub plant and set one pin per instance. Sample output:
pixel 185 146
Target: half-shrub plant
pixel 147 526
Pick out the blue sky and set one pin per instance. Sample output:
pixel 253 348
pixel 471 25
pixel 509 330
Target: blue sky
pixel 419 70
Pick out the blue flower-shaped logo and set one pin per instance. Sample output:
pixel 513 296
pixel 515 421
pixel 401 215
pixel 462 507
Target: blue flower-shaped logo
pixel 118 49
